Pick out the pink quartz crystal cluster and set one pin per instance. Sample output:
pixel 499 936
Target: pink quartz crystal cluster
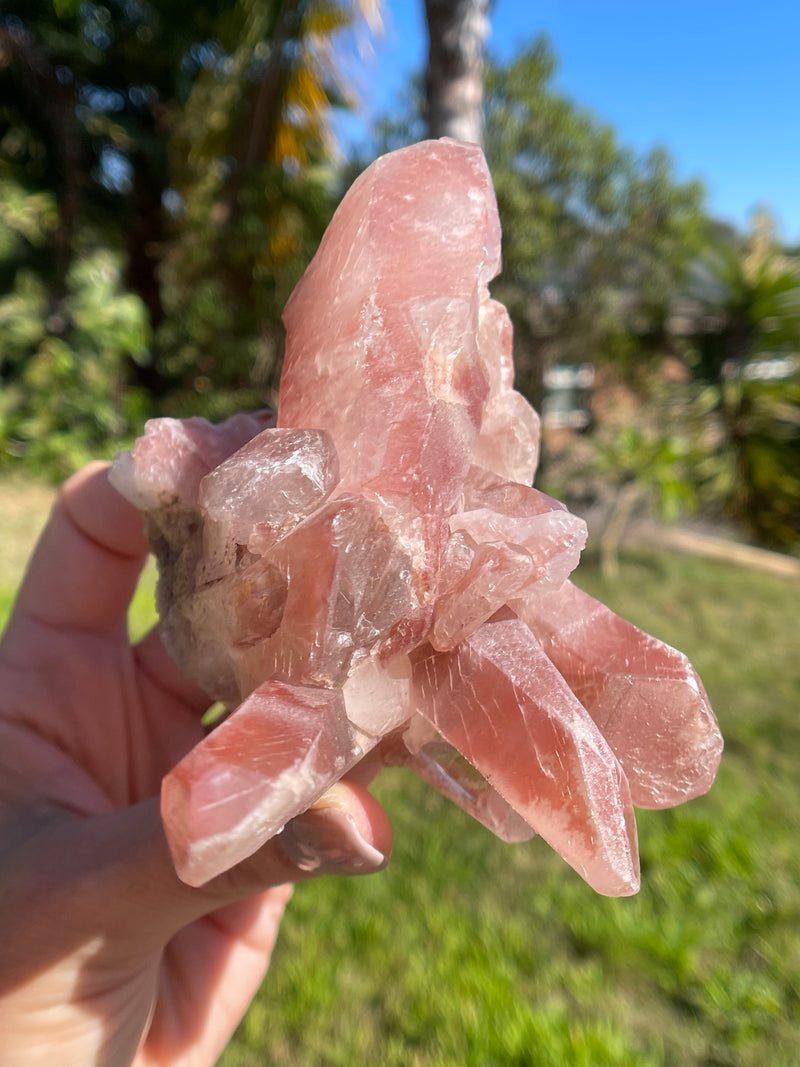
pixel 377 575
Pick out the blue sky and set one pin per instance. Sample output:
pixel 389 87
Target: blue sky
pixel 716 83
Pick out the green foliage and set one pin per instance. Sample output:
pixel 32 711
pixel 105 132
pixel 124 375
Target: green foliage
pixel 62 361
pixel 26 220
pixel 186 151
pixel 743 354
pixel 752 470
pixel 640 466
pixel 595 238
pixel 253 191
pixel 654 462
pixel 225 286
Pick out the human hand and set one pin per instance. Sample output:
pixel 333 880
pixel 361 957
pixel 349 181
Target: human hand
pixel 107 957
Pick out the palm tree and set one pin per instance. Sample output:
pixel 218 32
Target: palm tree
pixel 194 142
pixel 252 152
pixel 745 359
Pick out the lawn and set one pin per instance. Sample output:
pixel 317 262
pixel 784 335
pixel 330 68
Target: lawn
pixel 467 952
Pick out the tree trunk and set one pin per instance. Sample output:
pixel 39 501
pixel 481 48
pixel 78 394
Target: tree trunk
pixel 457 31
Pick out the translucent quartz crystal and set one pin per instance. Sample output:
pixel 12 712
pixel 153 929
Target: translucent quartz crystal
pixel 166 465
pixel 269 761
pixel 510 541
pixel 382 330
pixel 508 441
pixel 274 481
pixel 644 696
pixel 422 749
pixel 382 346
pixel 490 575
pixel 272 759
pixel 377 696
pixel 499 700
pixel 376 578
pixel 347 587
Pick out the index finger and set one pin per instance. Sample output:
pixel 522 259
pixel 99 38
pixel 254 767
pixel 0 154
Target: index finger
pixel 86 565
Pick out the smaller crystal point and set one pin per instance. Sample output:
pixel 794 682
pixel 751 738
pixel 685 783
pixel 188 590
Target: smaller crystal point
pixel 495 573
pixel 508 443
pixel 168 463
pixel 377 696
pixel 508 440
pixel 267 762
pixel 533 542
pixel 347 584
pixel 644 695
pixel 269 484
pixel 499 700
pixel 422 749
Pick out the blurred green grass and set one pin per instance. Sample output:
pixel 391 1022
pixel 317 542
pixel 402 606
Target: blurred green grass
pixel 467 952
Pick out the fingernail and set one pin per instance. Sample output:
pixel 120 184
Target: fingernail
pixel 327 838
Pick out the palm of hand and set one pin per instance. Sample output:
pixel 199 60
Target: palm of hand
pixel 88 726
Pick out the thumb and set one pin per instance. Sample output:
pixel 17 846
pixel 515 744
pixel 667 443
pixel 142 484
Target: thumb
pixel 345 832
pixel 109 879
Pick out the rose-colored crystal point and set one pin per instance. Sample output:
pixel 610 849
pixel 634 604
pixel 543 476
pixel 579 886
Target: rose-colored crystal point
pixel 382 329
pixel 644 695
pixel 508 540
pixel 421 748
pixel 346 589
pixel 508 442
pixel 270 760
pixel 498 699
pixel 267 486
